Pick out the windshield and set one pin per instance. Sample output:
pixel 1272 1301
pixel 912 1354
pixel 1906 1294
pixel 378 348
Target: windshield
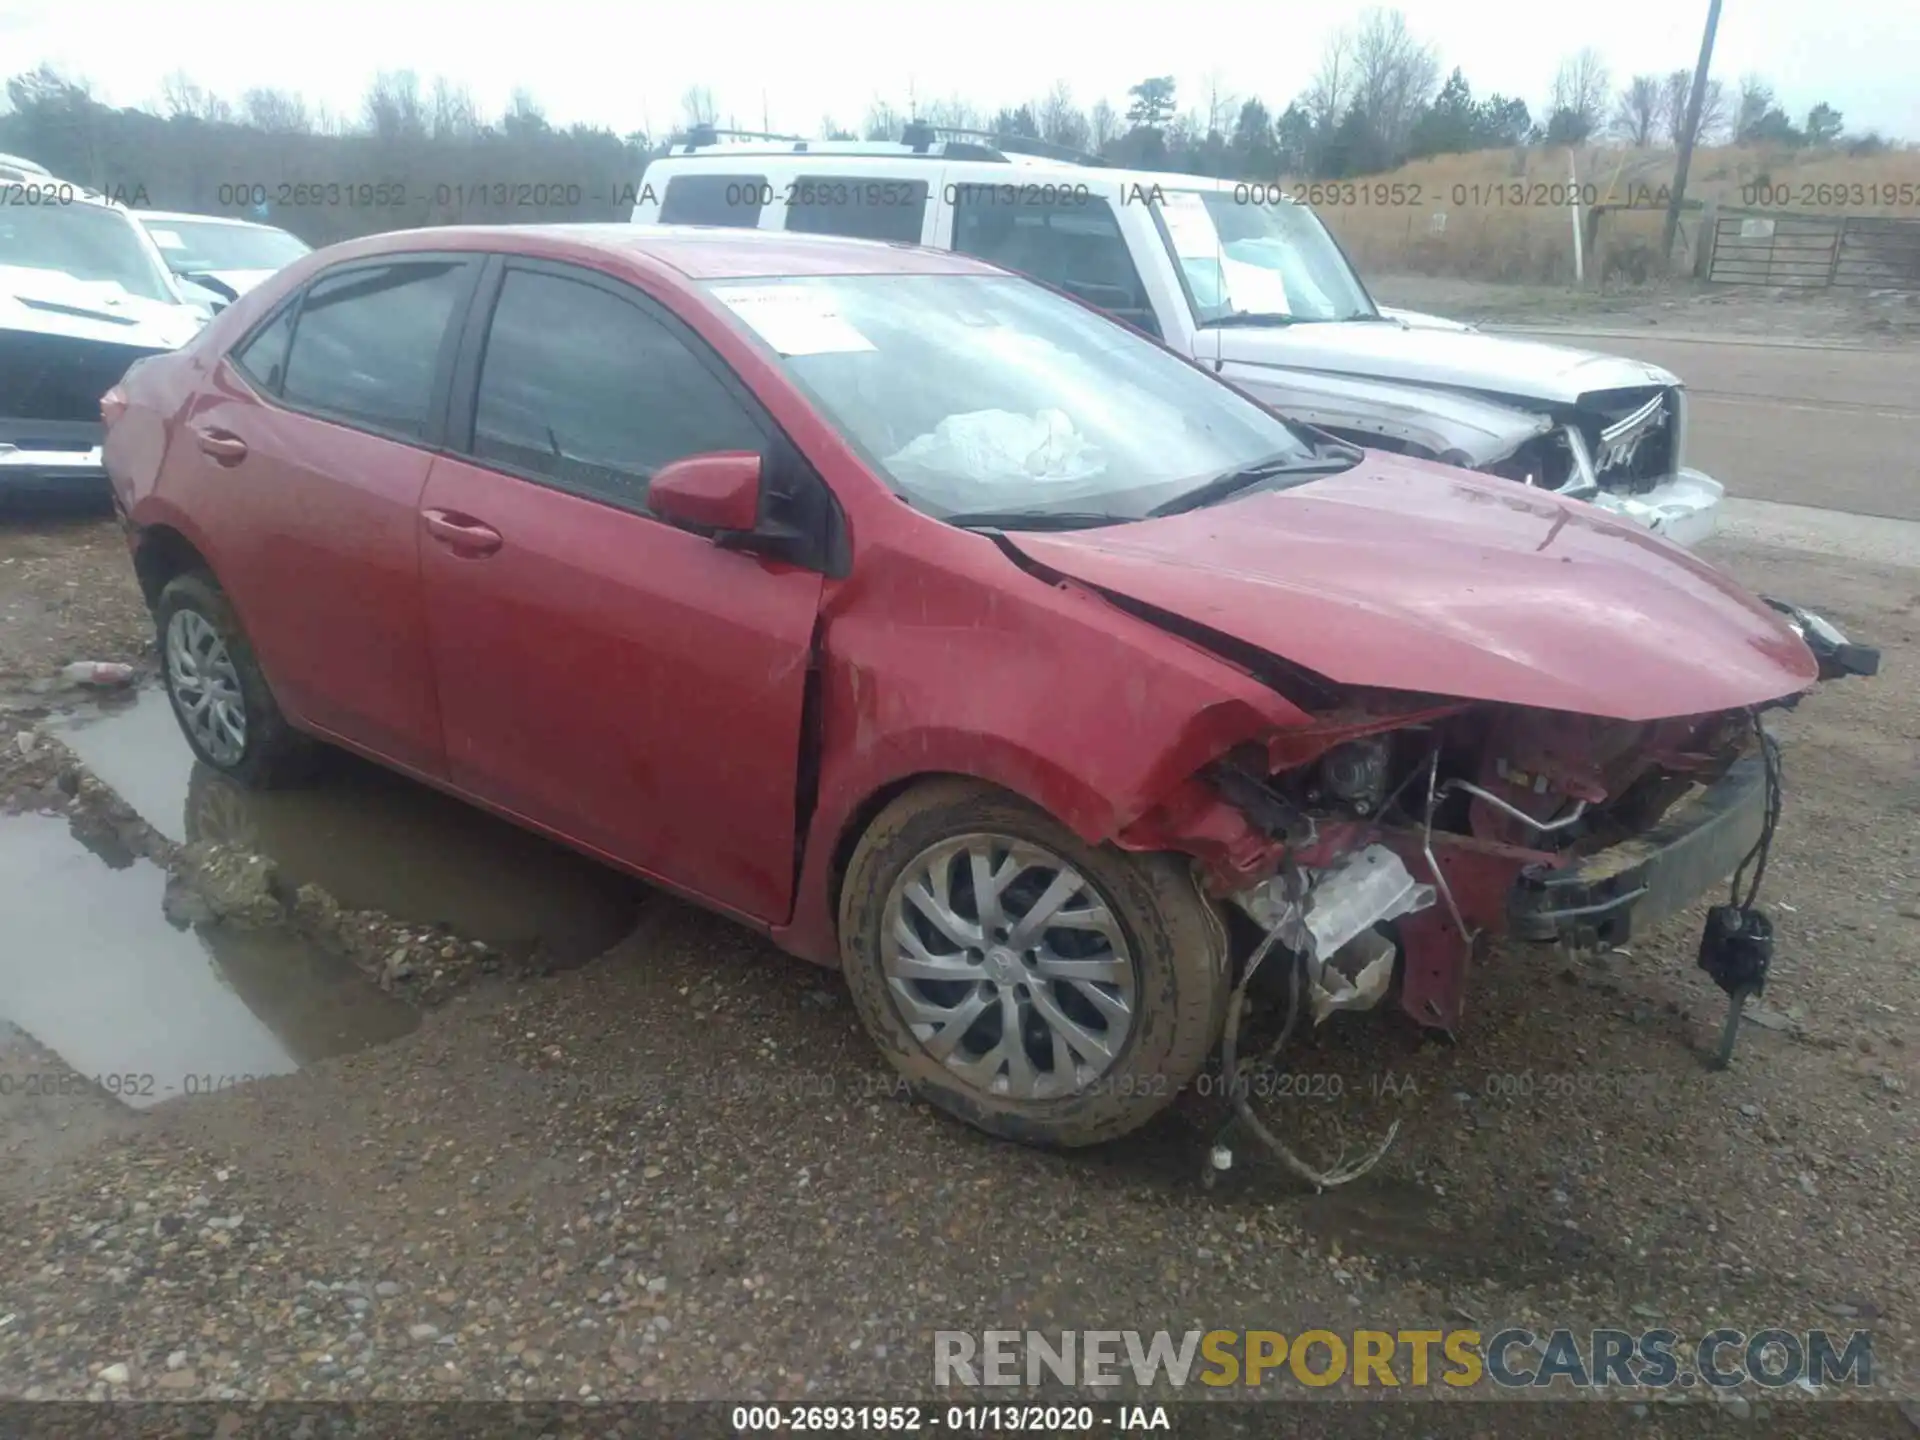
pixel 89 242
pixel 987 393
pixel 1242 257
pixel 201 245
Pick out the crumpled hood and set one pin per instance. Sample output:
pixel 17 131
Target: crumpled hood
pixel 50 302
pixel 1406 575
pixel 1428 355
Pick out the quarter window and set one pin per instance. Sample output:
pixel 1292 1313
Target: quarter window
pixel 264 357
pixel 366 345
pixel 734 200
pixel 1074 244
pixel 586 389
pixel 869 208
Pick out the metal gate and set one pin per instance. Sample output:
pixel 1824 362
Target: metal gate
pixel 1787 248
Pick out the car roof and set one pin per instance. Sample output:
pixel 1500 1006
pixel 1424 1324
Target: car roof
pixel 697 252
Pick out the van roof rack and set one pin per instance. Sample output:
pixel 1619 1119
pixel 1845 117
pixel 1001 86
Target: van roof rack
pixel 1009 143
pixel 919 139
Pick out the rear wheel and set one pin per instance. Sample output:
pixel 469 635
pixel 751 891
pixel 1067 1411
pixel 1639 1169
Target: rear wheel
pixel 1040 988
pixel 220 697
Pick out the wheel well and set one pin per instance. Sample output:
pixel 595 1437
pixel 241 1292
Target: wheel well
pixel 163 553
pixel 864 815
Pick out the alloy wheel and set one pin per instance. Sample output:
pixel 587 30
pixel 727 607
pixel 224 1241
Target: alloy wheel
pixel 205 687
pixel 1009 966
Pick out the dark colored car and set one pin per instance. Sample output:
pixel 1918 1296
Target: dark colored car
pixel 938 627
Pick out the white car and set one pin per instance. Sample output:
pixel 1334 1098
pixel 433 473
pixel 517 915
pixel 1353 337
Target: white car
pixel 218 253
pixel 1237 277
pixel 83 294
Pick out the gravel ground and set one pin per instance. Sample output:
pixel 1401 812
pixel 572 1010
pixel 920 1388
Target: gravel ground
pixel 680 1171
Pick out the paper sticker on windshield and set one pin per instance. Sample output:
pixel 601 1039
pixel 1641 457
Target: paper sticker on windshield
pixel 793 319
pixel 1189 224
pixel 167 239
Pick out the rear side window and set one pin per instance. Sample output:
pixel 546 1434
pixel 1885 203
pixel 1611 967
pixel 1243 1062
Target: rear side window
pixel 592 392
pixel 366 345
pixel 1073 244
pixel 734 200
pixel 867 208
pixel 264 357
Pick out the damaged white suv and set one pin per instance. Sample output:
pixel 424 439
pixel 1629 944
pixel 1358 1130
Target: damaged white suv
pixel 1239 278
pixel 83 294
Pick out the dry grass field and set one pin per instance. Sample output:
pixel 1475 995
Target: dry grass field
pixel 1504 214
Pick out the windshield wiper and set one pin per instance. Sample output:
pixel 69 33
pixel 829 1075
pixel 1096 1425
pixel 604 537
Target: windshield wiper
pixel 1032 519
pixel 1325 461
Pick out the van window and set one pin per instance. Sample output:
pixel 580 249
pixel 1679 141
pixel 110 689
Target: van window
pixel 1073 243
pixel 870 209
pixel 734 200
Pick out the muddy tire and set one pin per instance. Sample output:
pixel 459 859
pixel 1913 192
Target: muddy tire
pixel 1061 1026
pixel 220 697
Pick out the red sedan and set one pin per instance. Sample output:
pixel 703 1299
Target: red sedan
pixel 943 630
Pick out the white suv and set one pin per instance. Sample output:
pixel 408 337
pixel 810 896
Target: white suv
pixel 1239 278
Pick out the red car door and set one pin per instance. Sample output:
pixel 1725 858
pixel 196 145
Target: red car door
pixel 308 480
pixel 631 685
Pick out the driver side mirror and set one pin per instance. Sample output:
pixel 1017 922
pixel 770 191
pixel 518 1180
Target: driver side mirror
pixel 719 491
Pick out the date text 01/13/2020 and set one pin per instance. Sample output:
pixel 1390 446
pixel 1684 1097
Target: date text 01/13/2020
pixel 962 1419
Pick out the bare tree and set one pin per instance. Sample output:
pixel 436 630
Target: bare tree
pixel 184 99
pixel 453 110
pixel 1061 121
pixel 1102 124
pixel 1673 108
pixel 1394 75
pixel 1580 91
pixel 1331 88
pixel 697 106
pixel 952 113
pixel 393 108
pixel 1638 110
pixel 278 112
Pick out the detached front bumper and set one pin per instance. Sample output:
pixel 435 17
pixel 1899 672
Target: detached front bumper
pixel 1603 898
pixel 1684 509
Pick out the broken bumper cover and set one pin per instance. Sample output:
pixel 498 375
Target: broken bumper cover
pixel 1684 508
pixel 1605 897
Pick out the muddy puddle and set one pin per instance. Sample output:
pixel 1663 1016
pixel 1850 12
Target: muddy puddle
pixel 372 839
pixel 94 970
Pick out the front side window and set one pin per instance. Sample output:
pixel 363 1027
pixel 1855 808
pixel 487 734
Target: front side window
pixel 735 200
pixel 366 344
pixel 869 209
pixel 94 243
pixel 586 389
pixel 1073 243
pixel 1258 261
pixel 986 393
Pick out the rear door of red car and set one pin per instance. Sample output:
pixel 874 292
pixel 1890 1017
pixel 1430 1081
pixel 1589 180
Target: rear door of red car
pixel 631 685
pixel 307 480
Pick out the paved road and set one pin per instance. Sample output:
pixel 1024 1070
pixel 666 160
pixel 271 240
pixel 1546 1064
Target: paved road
pixel 1830 427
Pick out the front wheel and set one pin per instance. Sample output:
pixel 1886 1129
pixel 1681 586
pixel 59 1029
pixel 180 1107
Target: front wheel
pixel 1039 988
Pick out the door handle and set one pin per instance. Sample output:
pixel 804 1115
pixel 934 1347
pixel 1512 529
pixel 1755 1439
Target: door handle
pixel 223 445
pixel 462 534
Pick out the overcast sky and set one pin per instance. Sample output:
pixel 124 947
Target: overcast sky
pixel 626 66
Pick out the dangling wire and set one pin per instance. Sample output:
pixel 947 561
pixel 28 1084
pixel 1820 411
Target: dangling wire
pixel 1757 856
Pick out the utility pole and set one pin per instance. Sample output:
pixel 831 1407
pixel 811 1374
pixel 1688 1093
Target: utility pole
pixel 1694 103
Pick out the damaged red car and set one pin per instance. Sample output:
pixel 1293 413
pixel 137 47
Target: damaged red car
pixel 943 630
